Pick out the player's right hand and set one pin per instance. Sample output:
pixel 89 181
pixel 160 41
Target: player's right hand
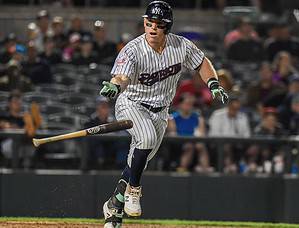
pixel 110 90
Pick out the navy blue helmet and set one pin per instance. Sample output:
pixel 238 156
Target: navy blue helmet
pixel 161 11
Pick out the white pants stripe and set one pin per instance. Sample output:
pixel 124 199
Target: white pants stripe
pixel 148 127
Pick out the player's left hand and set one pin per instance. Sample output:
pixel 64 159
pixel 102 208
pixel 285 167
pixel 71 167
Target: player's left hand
pixel 217 91
pixel 221 94
pixel 110 90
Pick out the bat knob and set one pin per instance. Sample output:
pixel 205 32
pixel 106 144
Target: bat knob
pixel 35 142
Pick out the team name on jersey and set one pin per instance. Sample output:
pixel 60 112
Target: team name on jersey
pixel 150 79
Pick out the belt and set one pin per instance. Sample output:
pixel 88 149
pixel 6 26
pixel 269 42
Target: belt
pixel 153 109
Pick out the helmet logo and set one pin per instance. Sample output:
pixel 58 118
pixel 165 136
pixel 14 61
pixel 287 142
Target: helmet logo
pixel 157 10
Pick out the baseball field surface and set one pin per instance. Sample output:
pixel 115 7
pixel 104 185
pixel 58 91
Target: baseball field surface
pixel 9 222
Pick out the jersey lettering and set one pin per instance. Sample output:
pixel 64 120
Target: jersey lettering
pixel 150 79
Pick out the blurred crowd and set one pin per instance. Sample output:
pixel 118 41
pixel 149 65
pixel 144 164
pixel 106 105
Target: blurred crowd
pixel 258 69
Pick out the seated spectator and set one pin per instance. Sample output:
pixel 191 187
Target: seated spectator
pixel 259 160
pixel 196 87
pixel 186 122
pixel 9 48
pixel 59 36
pixel 285 110
pixel 104 154
pixel 86 55
pixel 230 122
pixel 51 54
pixel 77 27
pixel 246 47
pixel 73 47
pixel 294 116
pixel 244 30
pixel 43 29
pixel 14 79
pixel 283 67
pixel 14 118
pixel 36 69
pixel 269 125
pixel 264 90
pixel 31 32
pixel 106 49
pixel 282 41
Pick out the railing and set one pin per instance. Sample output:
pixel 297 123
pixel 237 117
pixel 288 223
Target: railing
pixel 290 144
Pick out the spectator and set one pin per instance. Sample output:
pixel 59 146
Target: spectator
pixel 285 110
pixel 264 89
pixel 230 121
pixel 72 47
pixel 244 30
pixel 186 122
pixel 77 27
pixel 32 32
pixel 283 67
pixel 294 117
pixel 43 29
pixel 36 69
pixel 15 119
pixel 103 154
pixel 246 47
pixel 196 87
pixel 51 54
pixel 269 127
pixel 106 49
pixel 86 55
pixel 59 36
pixel 10 42
pixel 14 79
pixel 282 41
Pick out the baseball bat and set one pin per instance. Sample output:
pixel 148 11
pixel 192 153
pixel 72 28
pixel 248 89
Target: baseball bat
pixel 100 129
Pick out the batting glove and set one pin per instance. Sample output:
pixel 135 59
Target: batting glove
pixel 110 90
pixel 217 91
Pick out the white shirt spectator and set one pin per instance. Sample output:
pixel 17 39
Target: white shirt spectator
pixel 221 124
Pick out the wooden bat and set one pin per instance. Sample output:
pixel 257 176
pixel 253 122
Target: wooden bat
pixel 100 129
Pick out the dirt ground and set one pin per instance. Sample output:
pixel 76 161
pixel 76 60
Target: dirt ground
pixel 70 225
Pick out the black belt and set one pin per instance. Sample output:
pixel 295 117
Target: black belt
pixel 153 109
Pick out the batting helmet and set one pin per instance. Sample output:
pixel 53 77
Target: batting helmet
pixel 161 11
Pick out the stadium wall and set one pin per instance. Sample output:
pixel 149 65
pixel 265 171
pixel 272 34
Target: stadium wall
pixel 216 197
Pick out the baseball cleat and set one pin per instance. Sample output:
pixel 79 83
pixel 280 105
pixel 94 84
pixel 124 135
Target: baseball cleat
pixel 113 216
pixel 132 201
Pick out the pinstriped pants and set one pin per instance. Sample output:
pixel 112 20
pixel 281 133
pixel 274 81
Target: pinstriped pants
pixel 148 127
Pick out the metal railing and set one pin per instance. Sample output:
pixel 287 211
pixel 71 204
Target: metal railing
pixel 290 144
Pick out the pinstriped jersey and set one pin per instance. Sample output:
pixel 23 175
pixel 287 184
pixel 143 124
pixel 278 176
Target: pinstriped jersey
pixel 154 76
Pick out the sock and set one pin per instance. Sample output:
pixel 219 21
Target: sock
pixel 126 174
pixel 138 163
pixel 117 199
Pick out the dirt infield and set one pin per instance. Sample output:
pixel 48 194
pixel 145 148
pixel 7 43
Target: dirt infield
pixel 74 225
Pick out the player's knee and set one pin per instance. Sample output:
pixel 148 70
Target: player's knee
pixel 148 142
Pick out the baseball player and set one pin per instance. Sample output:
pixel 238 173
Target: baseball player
pixel 144 77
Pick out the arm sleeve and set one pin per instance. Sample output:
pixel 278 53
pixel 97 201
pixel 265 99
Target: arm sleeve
pixel 125 62
pixel 194 56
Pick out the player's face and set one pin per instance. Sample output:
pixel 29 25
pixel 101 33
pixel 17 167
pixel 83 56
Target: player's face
pixel 154 30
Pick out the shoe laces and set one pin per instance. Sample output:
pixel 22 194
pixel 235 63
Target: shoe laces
pixel 135 192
